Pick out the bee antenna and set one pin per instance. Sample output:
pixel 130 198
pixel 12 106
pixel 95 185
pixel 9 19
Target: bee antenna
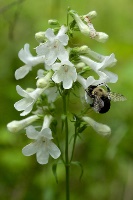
pixel 101 84
pixel 108 89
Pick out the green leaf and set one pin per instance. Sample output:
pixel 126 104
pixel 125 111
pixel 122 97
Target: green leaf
pixel 54 169
pixel 77 163
pixel 82 128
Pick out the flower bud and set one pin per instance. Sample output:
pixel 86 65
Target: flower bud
pixel 79 50
pixel 80 65
pixel 83 48
pixel 82 26
pixel 44 81
pixel 101 37
pixel 16 126
pixel 91 15
pixel 53 22
pixel 40 37
pixel 101 129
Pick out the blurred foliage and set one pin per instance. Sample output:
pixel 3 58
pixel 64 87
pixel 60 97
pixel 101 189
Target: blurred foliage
pixel 108 162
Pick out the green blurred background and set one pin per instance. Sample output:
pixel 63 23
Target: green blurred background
pixel 108 162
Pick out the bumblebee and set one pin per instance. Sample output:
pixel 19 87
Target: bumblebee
pixel 101 99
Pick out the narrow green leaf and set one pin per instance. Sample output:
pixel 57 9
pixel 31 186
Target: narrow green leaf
pixel 54 169
pixel 77 163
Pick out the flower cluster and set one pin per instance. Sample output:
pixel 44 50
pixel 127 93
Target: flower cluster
pixel 62 68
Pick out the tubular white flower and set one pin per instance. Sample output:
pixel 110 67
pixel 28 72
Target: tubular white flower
pixel 88 29
pixel 29 60
pixel 26 104
pixel 101 129
pixel 54 47
pixel 16 126
pixel 42 145
pixel 82 26
pixel 107 61
pixel 91 81
pixel 65 72
pixel 98 57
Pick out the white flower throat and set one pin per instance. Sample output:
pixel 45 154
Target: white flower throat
pixel 65 68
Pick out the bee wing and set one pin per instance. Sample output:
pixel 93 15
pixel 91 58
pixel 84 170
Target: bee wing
pixel 116 97
pixel 98 104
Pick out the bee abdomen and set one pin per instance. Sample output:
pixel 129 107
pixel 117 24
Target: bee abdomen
pixel 106 106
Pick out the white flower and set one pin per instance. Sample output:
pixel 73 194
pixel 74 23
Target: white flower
pixel 91 81
pixel 64 72
pixel 82 26
pixel 107 61
pixel 88 29
pixel 26 104
pixel 29 60
pixel 102 129
pixel 54 47
pixel 16 126
pixel 42 145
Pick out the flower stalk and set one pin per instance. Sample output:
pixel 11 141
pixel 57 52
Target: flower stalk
pixel 67 163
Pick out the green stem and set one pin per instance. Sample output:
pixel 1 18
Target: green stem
pixel 74 143
pixel 67 164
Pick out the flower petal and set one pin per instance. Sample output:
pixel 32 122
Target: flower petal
pixel 51 57
pixel 62 30
pixel 49 34
pixel 22 72
pixel 56 66
pixel 42 154
pixel 21 92
pixel 46 132
pixel 62 53
pixel 54 151
pixel 31 132
pixel 56 77
pixel 23 103
pixel 30 149
pixel 63 39
pixel 112 77
pixel 24 54
pixel 67 83
pixel 27 109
